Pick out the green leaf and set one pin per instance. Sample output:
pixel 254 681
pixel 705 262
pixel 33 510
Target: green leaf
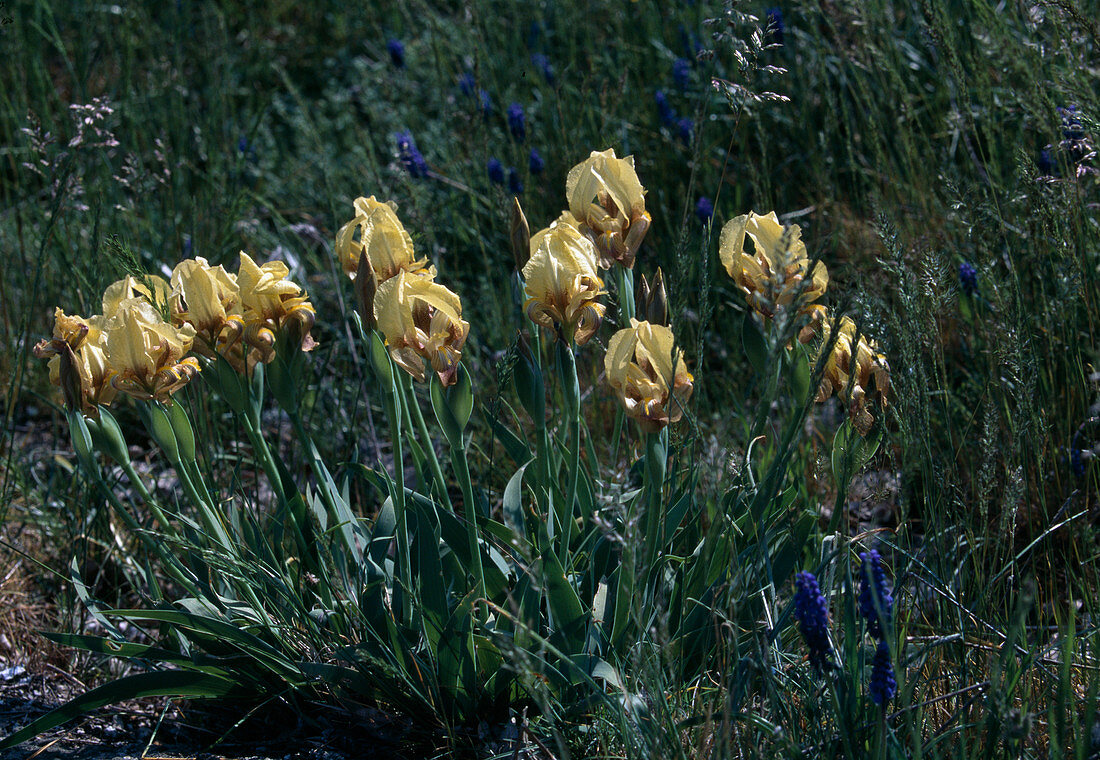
pixel 756 348
pixel 569 617
pixel 380 360
pixel 164 683
pixel 515 446
pixel 513 503
pixel 799 371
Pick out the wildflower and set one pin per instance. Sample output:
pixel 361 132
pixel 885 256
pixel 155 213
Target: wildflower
pixel 269 303
pixel 968 278
pixel 411 158
pixel 884 686
pixel 495 170
pixel 1072 131
pixel 542 63
pixel 812 613
pixel 515 186
pixel 78 362
pixel 876 603
pixel 467 84
pixel 562 282
pixel 485 103
pixel 207 298
pixel 704 209
pixel 851 368
pixel 608 200
pixel 1046 162
pixel 1077 462
pixel 776 27
pixel 382 239
pixel 776 274
pixel 685 128
pixel 146 353
pixel 648 374
pixel 535 164
pixel 152 288
pixel 421 319
pixel 664 110
pixel 681 73
pixel 397 52
pixel 517 122
pixel 188 245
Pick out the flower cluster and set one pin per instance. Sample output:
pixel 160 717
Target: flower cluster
pixel 876 605
pixel 854 365
pixel 812 613
pixel 141 343
pixel 420 319
pixel 776 274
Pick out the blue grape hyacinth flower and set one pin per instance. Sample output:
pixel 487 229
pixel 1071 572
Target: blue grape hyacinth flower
pixel 410 156
pixel 704 209
pixel 685 129
pixel 535 164
pixel 515 186
pixel 968 278
pixel 884 685
pixel 396 50
pixel 665 111
pixel 467 84
pixel 681 73
pixel 812 613
pixel 876 603
pixel 495 170
pixel 542 63
pixel 517 121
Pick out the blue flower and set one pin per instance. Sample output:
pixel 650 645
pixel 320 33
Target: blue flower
pixel 1077 462
pixel 1046 162
pixel 517 121
pixel 664 110
pixel 397 52
pixel 496 171
pixel 515 187
pixel 467 84
pixel 187 246
pixel 681 72
pixel 535 163
pixel 704 209
pixel 812 613
pixel 968 278
pixel 410 156
pixel 542 63
pixel 884 686
pixel 485 103
pixel 776 27
pixel 876 603
pixel 533 33
pixel 685 128
pixel 1072 131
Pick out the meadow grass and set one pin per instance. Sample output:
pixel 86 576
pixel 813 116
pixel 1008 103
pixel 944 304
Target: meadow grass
pixel 907 139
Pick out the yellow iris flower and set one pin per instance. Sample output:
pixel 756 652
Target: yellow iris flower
pixel 147 353
pixel 608 201
pixel 78 360
pixel 647 372
pixel 773 275
pixel 269 302
pixel 382 239
pixel 562 282
pixel 209 299
pixel 152 288
pixel 421 319
pixel 851 368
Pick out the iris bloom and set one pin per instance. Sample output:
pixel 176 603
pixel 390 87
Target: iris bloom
pixel 78 360
pixel 209 299
pixel 850 369
pixel 147 353
pixel 608 200
pixel 421 319
pixel 270 302
pixel 646 370
pixel 774 274
pixel 152 288
pixel 562 283
pixel 382 238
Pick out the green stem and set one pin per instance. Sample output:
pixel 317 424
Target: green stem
pixel 426 445
pixel 403 560
pixel 655 465
pixel 462 475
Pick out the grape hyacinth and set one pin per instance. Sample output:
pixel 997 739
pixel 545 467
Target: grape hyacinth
pixel 495 170
pixel 411 157
pixel 467 84
pixel 681 73
pixel 517 122
pixel 397 52
pixel 812 613
pixel 665 111
pixel 704 209
pixel 515 187
pixel 542 63
pixel 884 686
pixel 968 278
pixel 1046 162
pixel 876 603
pixel 485 103
pixel 535 164
pixel 685 128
